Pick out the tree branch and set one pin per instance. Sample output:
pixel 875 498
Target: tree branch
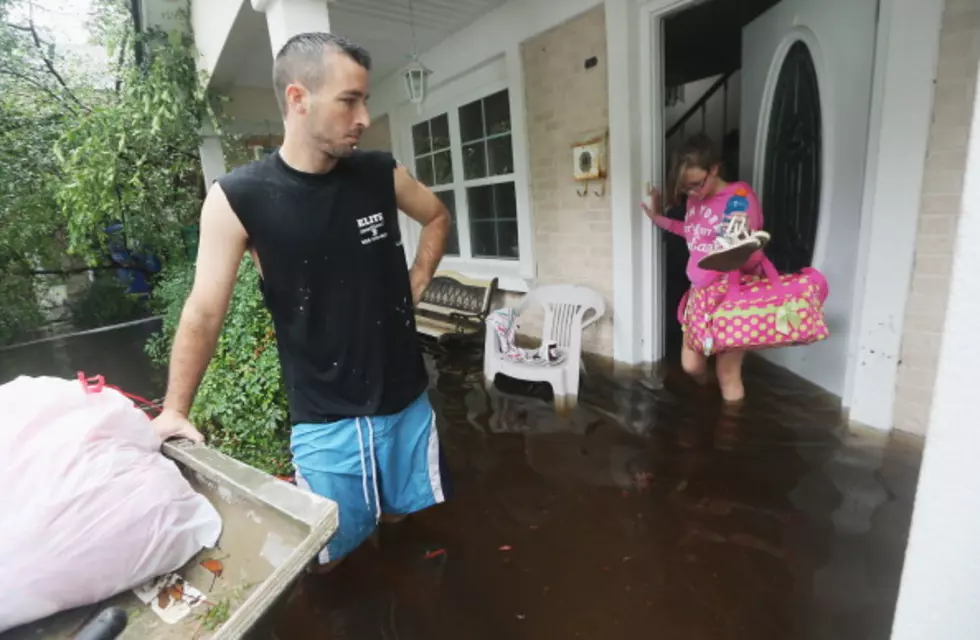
pixel 47 61
pixel 37 85
pixel 121 61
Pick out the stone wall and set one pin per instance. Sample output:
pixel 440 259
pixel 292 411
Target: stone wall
pixel 567 103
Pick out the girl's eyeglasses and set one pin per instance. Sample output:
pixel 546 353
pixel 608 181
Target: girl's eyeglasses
pixel 693 189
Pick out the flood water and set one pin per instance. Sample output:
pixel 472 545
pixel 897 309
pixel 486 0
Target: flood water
pixel 644 514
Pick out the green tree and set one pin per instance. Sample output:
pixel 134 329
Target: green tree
pixel 133 157
pixel 82 148
pixel 31 122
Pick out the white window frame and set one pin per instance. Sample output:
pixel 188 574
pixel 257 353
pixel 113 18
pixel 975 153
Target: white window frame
pixel 451 186
pixel 513 275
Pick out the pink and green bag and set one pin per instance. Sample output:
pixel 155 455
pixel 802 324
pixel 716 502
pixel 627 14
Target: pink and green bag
pixel 745 312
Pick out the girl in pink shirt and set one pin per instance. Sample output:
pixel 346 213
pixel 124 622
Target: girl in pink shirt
pixel 708 198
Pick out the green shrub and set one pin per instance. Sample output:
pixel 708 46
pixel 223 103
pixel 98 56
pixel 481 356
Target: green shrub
pixel 106 302
pixel 19 311
pixel 241 404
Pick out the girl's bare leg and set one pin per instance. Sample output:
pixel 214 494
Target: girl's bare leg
pixel 730 375
pixel 694 364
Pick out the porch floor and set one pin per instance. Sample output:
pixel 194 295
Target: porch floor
pixel 645 514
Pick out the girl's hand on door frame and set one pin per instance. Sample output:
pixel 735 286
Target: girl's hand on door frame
pixel 655 208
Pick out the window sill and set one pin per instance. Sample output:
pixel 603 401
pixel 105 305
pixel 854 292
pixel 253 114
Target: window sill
pixel 507 272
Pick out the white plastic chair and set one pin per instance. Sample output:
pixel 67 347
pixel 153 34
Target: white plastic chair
pixel 568 310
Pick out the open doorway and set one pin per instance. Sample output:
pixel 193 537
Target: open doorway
pixel 804 71
pixel 702 74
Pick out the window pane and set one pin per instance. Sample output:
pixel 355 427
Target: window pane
pixel 507 246
pixel 471 121
pixel 493 221
pixel 475 161
pixel 423 170
pixel 483 235
pixel 494 239
pixel 443 167
pixel 452 242
pixel 497 110
pixel 421 140
pixel 480 202
pixel 501 156
pixel 492 202
pixel 504 201
pixel 440 132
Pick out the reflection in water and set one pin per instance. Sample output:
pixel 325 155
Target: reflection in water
pixel 117 354
pixel 644 513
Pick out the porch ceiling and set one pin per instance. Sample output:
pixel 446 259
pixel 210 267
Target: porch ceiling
pixel 381 26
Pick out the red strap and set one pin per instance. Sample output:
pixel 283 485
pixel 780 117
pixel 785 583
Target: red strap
pixel 97 384
pixel 91 385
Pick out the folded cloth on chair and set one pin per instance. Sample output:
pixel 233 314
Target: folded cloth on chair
pixel 504 324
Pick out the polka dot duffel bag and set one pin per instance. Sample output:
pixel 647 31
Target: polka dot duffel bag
pixel 740 311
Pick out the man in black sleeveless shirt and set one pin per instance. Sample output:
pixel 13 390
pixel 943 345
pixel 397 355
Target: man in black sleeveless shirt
pixel 320 221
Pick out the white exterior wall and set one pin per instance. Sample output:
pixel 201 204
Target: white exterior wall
pixel 253 111
pixel 498 33
pixel 212 21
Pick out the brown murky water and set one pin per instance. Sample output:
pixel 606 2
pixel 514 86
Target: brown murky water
pixel 644 514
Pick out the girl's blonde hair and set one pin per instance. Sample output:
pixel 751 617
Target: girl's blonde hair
pixel 697 152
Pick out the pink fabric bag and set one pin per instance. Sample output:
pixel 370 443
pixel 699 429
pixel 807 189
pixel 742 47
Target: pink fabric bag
pixel 755 312
pixel 90 506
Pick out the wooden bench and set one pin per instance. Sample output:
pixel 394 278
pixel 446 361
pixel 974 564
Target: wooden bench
pixel 454 305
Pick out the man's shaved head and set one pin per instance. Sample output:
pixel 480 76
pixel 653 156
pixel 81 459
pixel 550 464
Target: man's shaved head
pixel 322 83
pixel 303 60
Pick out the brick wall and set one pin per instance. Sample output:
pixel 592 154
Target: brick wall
pixel 940 208
pixel 567 103
pixel 377 137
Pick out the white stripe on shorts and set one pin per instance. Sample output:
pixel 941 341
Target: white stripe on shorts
pixel 435 475
pixel 324 556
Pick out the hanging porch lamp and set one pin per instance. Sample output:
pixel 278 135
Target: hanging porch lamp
pixel 416 74
pixel 416 81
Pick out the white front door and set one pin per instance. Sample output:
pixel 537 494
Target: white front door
pixel 807 153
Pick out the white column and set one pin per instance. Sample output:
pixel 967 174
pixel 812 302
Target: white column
pixel 940 590
pixel 212 159
pixel 522 160
pixel 622 50
pixel 287 18
pixel 902 100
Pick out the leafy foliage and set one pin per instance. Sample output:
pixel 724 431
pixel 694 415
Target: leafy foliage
pixel 31 122
pixel 86 145
pixel 134 159
pixel 19 312
pixel 241 405
pixel 106 302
